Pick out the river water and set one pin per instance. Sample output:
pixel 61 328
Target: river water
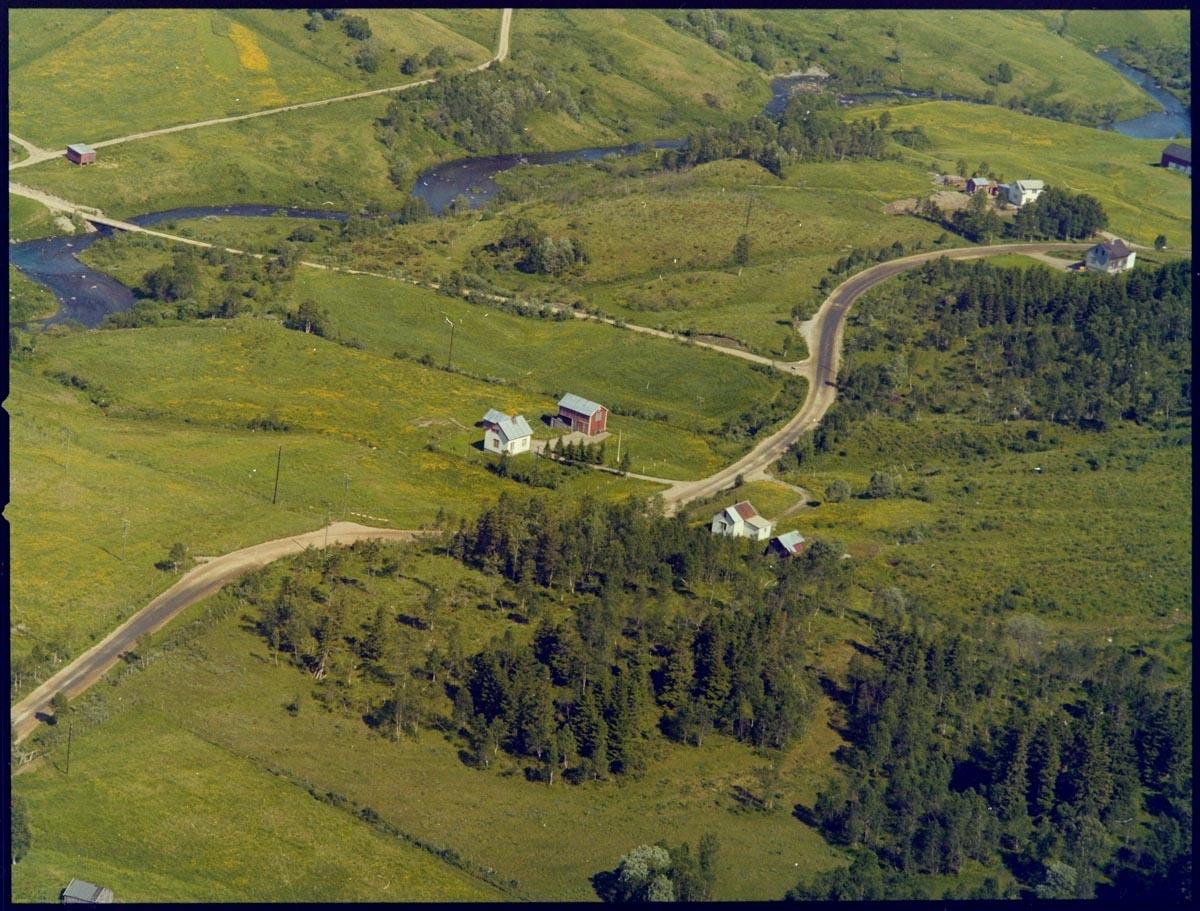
pixel 1172 122
pixel 87 296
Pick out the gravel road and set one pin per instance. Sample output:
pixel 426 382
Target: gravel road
pixel 204 580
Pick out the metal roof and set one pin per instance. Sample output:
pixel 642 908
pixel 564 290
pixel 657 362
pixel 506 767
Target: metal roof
pixel 80 149
pixel 514 428
pixel 494 417
pixel 579 404
pixel 791 540
pixel 78 891
pixel 745 509
pixel 1181 153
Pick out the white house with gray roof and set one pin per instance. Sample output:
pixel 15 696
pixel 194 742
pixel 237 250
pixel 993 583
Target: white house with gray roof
pixel 1110 256
pixel 504 434
pixel 1021 192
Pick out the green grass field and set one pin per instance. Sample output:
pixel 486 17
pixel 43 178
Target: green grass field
pixel 173 454
pixel 181 835
pixel 243 60
pixel 1097 543
pixel 994 524
pixel 212 711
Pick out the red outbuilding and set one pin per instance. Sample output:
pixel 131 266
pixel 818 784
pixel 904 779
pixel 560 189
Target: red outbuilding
pixel 81 154
pixel 581 415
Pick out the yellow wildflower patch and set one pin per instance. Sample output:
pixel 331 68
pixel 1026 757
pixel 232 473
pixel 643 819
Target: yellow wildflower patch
pixel 250 55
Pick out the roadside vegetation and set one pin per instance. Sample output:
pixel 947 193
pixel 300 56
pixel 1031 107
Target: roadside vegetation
pixel 973 683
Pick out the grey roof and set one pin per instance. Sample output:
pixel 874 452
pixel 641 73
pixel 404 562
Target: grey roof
pixel 1029 184
pixel 1115 248
pixel 1181 153
pixel 514 428
pixel 494 417
pixel 80 149
pixel 578 404
pixel 78 891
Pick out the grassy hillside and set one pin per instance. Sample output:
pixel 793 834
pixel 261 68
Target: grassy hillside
pixel 172 452
pixel 209 826
pixel 953 51
pixel 125 442
pixel 202 64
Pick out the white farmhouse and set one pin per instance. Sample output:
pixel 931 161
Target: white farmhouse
pixel 1110 256
pixel 504 434
pixel 1021 192
pixel 743 521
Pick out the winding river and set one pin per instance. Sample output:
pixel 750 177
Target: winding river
pixel 87 296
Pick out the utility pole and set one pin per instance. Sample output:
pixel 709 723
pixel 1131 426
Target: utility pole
pixel 68 465
pixel 278 460
pixel 345 494
pixel 327 511
pixel 450 354
pixel 70 725
pixel 699 408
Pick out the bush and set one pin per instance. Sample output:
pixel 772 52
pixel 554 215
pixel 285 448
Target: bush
pixel 837 491
pixel 881 487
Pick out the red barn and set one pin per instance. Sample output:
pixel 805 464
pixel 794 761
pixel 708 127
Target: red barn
pixel 581 415
pixel 81 154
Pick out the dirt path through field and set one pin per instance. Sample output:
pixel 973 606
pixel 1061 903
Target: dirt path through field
pixel 209 577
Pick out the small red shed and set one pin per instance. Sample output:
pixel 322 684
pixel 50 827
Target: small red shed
pixel 81 154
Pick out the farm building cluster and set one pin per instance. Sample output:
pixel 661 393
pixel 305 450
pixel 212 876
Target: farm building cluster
pixel 1018 193
pixel 741 520
pixel 511 434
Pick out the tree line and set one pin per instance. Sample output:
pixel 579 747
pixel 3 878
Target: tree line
pixel 1085 350
pixel 811 128
pixel 1057 214
pixel 1007 749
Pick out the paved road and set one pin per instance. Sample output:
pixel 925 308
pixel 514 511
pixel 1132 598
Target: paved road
pixel 204 580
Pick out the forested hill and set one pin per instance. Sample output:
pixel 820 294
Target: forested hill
pixel 965 752
pixel 1085 349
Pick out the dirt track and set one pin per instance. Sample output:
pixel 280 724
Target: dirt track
pixel 204 580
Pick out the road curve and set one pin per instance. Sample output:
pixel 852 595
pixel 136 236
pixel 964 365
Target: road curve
pixel 824 336
pixel 204 580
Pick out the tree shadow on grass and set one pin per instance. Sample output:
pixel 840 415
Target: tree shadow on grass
pixel 604 884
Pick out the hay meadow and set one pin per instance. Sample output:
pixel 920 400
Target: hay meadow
pixel 124 443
